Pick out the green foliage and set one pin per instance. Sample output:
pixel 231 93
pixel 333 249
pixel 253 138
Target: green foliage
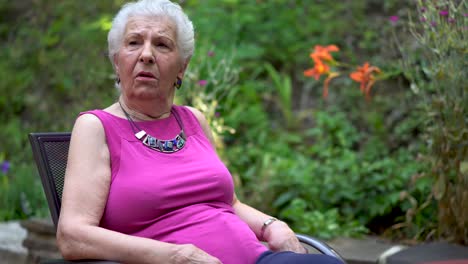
pixel 47 77
pixel 438 75
pixel 281 32
pixel 322 224
pixel 22 195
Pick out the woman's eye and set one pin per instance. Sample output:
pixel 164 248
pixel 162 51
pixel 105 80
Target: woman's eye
pixel 133 42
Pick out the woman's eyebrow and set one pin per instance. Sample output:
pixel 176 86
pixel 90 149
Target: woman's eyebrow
pixel 132 34
pixel 163 37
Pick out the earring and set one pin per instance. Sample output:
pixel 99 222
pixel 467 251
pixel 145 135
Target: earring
pixel 178 83
pixel 117 79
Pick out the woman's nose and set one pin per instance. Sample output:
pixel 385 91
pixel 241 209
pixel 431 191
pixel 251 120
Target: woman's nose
pixel 147 55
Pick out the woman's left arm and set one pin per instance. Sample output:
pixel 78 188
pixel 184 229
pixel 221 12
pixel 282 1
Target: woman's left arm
pixel 277 234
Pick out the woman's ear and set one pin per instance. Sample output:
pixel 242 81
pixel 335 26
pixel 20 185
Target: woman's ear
pixel 183 69
pixel 116 62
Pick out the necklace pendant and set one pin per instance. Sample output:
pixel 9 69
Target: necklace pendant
pixel 180 141
pixel 152 141
pixel 168 146
pixel 140 134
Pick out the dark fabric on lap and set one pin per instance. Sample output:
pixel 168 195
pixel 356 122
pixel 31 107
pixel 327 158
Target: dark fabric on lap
pixel 287 257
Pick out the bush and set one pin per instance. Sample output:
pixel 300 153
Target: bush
pixel 438 76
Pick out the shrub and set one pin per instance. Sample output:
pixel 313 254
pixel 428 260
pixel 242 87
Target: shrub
pixel 438 76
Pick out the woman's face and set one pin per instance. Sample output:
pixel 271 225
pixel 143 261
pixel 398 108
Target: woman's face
pixel 149 61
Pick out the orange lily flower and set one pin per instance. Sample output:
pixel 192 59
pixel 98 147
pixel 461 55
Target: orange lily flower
pixel 364 75
pixel 319 55
pixel 323 61
pixel 319 69
pixel 323 53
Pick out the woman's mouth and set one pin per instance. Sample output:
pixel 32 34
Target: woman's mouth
pixel 145 76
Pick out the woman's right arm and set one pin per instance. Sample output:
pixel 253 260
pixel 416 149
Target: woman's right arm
pixel 86 188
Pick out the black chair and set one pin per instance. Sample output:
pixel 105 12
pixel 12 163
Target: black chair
pixel 50 151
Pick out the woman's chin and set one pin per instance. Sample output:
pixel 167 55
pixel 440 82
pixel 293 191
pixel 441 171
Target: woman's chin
pixel 153 94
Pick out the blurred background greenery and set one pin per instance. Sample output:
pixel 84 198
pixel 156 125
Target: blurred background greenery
pixel 337 167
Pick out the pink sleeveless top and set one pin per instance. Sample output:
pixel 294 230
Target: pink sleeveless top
pixel 182 198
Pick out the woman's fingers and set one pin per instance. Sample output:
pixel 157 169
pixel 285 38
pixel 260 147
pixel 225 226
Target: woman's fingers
pixel 190 254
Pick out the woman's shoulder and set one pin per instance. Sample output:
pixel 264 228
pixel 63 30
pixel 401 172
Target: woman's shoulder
pixel 97 113
pixel 88 122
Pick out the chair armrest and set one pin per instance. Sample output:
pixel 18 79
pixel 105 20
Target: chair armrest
pixel 322 247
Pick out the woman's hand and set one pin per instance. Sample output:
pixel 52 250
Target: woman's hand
pixel 280 237
pixel 190 254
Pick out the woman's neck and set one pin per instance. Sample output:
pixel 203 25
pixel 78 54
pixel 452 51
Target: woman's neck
pixel 145 111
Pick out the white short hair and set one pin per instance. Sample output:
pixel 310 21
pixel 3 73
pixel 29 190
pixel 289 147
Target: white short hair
pixel 152 8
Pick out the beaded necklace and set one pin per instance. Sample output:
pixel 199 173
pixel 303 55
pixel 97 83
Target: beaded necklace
pixel 164 146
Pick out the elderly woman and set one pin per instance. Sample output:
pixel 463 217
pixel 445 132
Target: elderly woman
pixel 144 183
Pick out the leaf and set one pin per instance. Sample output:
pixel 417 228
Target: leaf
pixel 283 199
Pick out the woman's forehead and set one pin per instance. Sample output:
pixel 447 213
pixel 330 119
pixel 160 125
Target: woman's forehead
pixel 162 25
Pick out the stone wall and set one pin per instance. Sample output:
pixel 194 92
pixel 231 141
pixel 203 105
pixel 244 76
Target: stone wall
pixel 11 248
pixel 40 240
